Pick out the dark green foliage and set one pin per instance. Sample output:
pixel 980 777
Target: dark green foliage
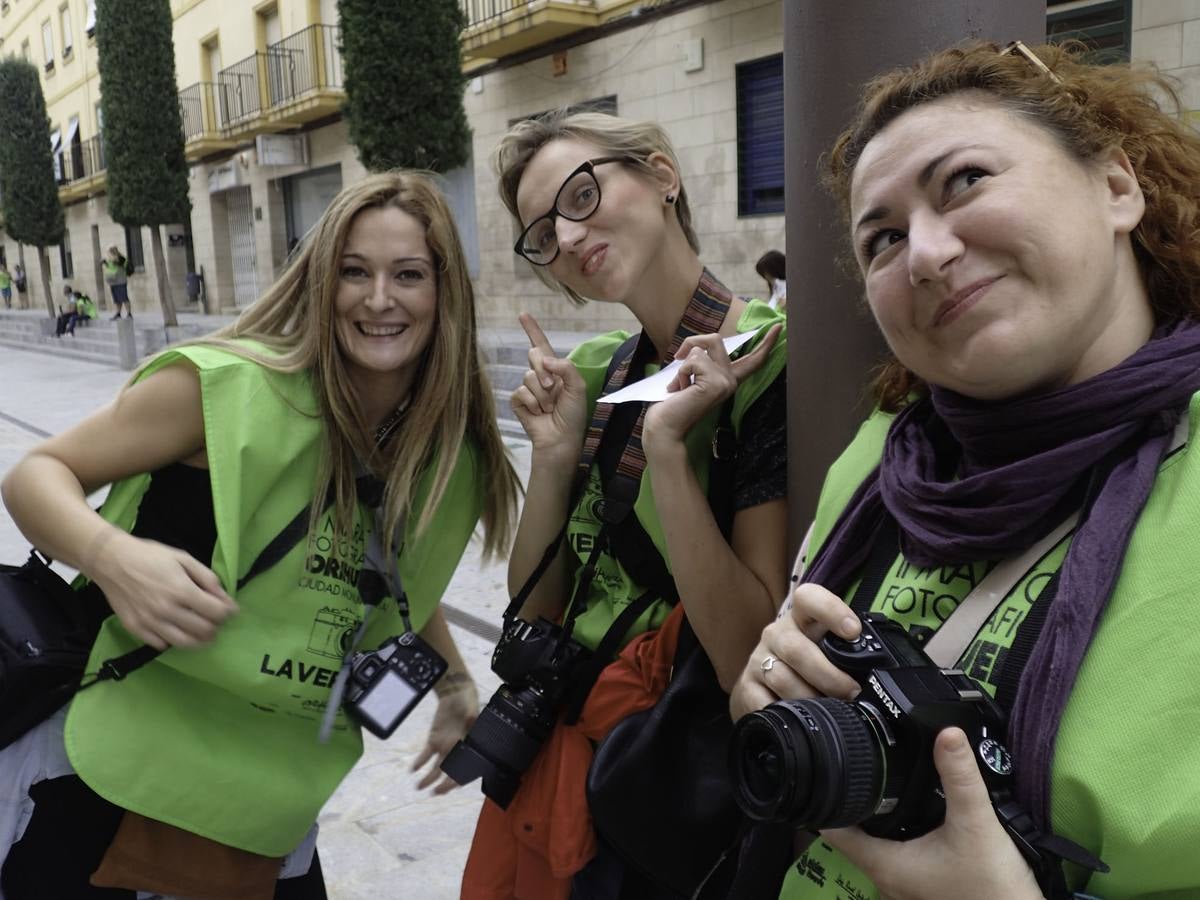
pixel 32 213
pixel 143 132
pixel 404 83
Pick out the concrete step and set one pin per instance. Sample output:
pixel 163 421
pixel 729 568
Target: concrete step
pixel 62 351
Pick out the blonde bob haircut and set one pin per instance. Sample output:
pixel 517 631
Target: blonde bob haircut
pixel 611 135
pixel 451 399
pixel 1088 109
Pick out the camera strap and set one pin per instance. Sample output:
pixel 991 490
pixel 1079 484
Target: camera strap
pixel 121 666
pixel 705 314
pixel 378 578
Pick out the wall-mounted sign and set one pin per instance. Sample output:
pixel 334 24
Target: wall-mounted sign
pixel 282 149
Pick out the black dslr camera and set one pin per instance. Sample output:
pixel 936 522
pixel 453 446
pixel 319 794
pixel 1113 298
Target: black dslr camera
pixel 826 763
pixel 537 662
pixel 385 684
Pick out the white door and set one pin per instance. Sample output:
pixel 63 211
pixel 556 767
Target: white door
pixel 332 76
pixel 214 73
pixel 240 213
pixel 279 64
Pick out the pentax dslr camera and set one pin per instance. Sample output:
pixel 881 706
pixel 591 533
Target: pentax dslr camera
pixel 385 684
pixel 537 662
pixel 827 763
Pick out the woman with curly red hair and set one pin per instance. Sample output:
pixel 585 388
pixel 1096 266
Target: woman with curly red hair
pixel 1025 224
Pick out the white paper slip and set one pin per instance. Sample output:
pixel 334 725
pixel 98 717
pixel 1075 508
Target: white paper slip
pixel 655 386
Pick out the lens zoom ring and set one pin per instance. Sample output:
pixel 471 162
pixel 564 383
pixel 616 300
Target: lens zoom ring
pixel 862 763
pixel 502 739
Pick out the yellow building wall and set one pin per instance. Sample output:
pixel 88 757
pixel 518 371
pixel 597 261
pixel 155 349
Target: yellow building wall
pixel 72 87
pixel 237 26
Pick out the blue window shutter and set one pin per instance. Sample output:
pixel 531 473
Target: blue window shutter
pixel 760 136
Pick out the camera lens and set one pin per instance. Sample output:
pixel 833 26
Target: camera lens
pixel 503 741
pixel 513 726
pixel 813 763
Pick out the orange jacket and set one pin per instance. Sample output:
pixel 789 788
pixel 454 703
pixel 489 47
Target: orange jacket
pixel 532 850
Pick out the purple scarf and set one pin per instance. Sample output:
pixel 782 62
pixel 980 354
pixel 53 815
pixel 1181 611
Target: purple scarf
pixel 969 480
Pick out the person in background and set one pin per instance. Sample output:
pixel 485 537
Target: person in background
pixel 770 267
pixel 6 284
pixel 21 284
pixel 67 312
pixel 117 279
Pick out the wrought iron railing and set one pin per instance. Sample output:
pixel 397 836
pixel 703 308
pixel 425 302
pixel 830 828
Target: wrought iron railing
pixel 479 12
pixel 82 160
pixel 306 61
pixel 238 89
pixel 201 110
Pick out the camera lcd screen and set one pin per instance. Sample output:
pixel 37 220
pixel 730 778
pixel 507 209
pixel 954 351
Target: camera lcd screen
pixel 388 701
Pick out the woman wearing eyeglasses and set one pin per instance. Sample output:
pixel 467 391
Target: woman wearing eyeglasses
pixel 605 217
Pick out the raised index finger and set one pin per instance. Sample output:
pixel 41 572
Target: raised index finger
pixel 537 337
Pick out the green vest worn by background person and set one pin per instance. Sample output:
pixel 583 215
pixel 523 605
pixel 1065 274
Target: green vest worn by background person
pixel 5 280
pixel 85 307
pixel 222 740
pixel 612 588
pixel 1126 775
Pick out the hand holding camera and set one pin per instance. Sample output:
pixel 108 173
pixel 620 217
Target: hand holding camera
pixel 798 669
pixel 970 847
pixel 822 763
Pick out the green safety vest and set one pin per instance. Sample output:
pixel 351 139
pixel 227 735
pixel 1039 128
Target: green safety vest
pixel 1125 781
pixel 612 588
pixel 85 306
pixel 222 740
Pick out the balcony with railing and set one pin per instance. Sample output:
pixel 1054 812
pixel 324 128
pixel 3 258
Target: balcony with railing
pixel 203 114
pixel 80 169
pixel 499 28
pixel 304 76
pixel 295 80
pixel 240 88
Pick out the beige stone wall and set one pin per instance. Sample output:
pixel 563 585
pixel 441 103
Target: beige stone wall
pixel 327 146
pixel 644 67
pixel 1167 34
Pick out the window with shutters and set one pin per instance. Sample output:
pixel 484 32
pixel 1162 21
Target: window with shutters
pixel 1104 27
pixel 760 136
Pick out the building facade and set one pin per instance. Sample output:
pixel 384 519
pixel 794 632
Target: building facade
pixel 260 88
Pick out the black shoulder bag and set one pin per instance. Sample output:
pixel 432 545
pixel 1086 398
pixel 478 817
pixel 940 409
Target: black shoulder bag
pixel 47 633
pixel 658 788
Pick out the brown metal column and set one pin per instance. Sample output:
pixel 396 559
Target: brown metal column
pixel 831 47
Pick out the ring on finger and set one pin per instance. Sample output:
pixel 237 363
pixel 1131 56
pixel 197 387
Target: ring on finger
pixel 767 664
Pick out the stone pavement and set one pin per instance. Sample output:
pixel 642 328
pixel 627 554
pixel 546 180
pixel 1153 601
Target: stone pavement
pixel 380 837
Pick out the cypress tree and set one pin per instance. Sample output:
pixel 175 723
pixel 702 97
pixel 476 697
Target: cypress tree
pixel 28 194
pixel 404 83
pixel 143 131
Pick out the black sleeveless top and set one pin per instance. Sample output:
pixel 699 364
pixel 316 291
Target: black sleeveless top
pixel 177 510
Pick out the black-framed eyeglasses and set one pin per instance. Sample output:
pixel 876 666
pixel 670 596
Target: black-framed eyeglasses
pixel 578 198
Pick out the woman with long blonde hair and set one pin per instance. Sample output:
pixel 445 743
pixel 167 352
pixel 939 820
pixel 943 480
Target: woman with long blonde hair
pixel 292 490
